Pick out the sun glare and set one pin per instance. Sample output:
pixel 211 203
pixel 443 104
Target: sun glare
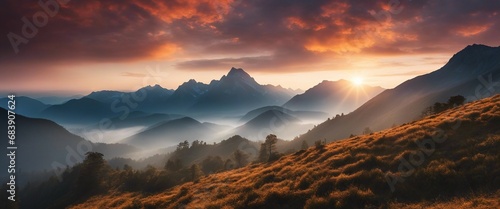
pixel 358 81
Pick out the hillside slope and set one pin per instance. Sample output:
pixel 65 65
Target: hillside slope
pixel 438 159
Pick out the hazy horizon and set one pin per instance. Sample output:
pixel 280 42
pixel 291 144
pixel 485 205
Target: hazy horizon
pixel 62 93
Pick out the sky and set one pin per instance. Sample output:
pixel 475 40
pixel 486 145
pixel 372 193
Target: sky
pixel 75 47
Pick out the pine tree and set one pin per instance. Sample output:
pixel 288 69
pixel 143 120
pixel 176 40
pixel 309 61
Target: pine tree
pixel 456 101
pixel 304 145
pixel 240 158
pixel 195 172
pixel 271 141
pixel 212 164
pixel 263 154
pixel 91 173
pixel 367 130
pixel 173 165
pixel 228 164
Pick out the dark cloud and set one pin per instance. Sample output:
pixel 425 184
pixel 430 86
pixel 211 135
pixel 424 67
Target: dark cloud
pixel 289 59
pixel 261 34
pixel 98 30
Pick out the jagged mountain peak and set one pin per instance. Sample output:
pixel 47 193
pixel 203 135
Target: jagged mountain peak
pixel 193 87
pixel 191 84
pixel 154 87
pixel 191 81
pixel 237 78
pixel 238 75
pixel 237 72
pixel 158 90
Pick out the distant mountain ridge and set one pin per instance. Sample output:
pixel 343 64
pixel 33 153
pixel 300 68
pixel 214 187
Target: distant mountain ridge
pixel 78 111
pixel 148 99
pixel 474 73
pixel 304 115
pixel 333 97
pixel 53 100
pixel 25 105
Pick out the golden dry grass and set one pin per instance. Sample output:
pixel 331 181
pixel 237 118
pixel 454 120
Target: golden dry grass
pixel 481 202
pixel 351 173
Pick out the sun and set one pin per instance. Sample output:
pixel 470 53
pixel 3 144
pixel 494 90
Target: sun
pixel 358 81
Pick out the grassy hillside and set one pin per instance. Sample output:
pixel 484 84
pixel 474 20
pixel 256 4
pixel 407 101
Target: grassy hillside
pixel 441 161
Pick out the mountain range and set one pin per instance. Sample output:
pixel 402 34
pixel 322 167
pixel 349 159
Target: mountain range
pixel 236 93
pixel 144 112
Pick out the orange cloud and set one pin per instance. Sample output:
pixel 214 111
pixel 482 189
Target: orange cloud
pixel 295 22
pixel 351 39
pixel 472 30
pixel 165 51
pixel 204 11
pixel 334 9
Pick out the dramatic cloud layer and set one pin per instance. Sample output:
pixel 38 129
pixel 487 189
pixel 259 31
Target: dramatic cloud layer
pixel 262 35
